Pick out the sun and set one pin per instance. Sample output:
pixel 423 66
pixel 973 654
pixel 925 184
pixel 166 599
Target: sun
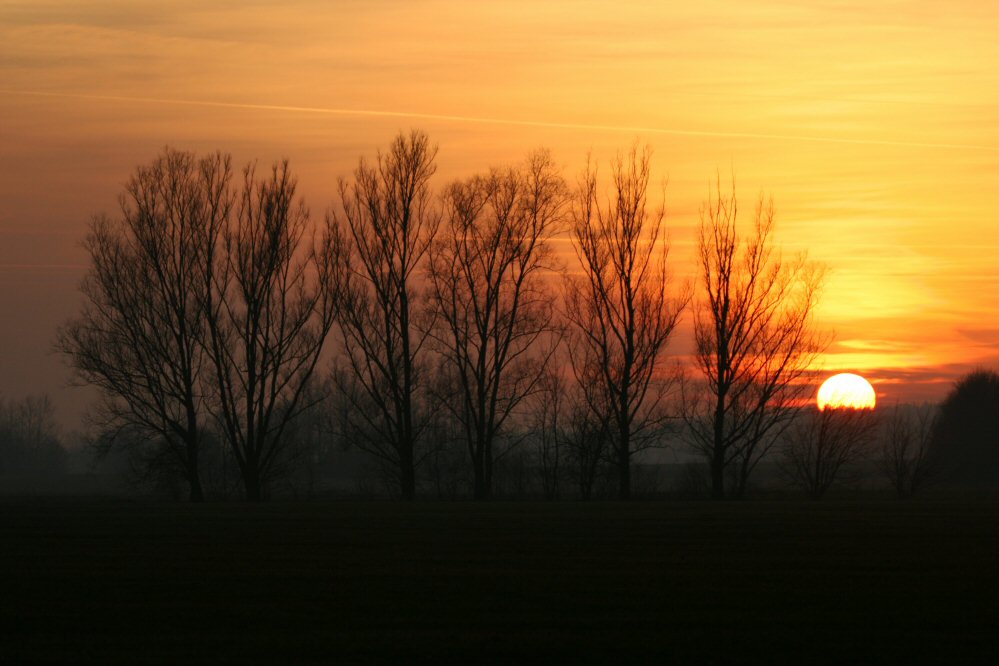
pixel 846 390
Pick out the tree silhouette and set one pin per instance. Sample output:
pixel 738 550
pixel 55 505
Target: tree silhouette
pixel 31 450
pixel 904 456
pixel 547 422
pixel 270 310
pixel 388 222
pixel 139 335
pixel 495 313
pixel 964 443
pixel 820 444
pixel 588 433
pixel 754 338
pixel 621 308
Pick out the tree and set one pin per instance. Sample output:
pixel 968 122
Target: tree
pixel 547 424
pixel 754 341
pixel 904 455
pixel 587 435
pixel 621 309
pixel 31 450
pixel 447 470
pixel 309 445
pixel 269 311
pixel 387 224
pixel 964 445
pixel 820 444
pixel 496 319
pixel 139 336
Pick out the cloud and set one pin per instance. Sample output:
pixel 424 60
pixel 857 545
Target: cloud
pixel 625 129
pixel 982 338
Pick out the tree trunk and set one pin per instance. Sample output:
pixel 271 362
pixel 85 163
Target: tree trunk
pixel 739 491
pixel 407 474
pixel 624 470
pixel 719 448
pixel 718 475
pixel 586 475
pixel 197 494
pixel 487 465
pixel 252 484
pixel 482 492
pixel 481 489
pixel 742 482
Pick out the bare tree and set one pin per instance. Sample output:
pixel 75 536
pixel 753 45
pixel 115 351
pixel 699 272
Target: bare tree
pixel 270 311
pixel 387 224
pixel 447 470
pixel 755 341
pixel 622 311
pixel 309 445
pixel 31 450
pixel 904 456
pixel 586 437
pixel 547 424
pixel 496 314
pixel 139 335
pixel 820 444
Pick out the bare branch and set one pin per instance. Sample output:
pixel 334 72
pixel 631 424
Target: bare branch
pixel 622 309
pixel 496 322
pixel 380 240
pixel 139 335
pixel 270 309
pixel 754 340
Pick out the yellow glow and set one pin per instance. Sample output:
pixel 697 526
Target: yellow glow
pixel 846 390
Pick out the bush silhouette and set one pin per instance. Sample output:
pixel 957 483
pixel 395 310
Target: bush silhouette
pixel 965 441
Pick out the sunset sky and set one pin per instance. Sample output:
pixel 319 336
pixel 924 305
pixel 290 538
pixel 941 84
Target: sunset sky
pixel 874 125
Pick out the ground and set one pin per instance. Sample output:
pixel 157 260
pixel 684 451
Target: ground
pixel 114 581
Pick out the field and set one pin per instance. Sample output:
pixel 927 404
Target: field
pixel 102 581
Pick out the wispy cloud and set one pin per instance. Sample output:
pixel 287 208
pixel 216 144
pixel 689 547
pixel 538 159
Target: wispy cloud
pixel 628 129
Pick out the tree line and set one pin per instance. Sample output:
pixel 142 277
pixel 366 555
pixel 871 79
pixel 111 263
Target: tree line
pixel 32 454
pixel 221 317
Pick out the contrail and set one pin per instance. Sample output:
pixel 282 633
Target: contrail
pixel 507 121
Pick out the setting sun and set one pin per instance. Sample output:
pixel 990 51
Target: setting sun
pixel 846 390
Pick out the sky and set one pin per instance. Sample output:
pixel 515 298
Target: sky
pixel 872 124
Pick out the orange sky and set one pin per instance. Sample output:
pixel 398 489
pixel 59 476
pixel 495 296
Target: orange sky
pixel 874 126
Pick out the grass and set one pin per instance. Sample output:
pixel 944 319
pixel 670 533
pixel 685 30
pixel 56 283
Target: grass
pixel 89 581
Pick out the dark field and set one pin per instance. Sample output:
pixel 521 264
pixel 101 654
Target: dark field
pixel 138 582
